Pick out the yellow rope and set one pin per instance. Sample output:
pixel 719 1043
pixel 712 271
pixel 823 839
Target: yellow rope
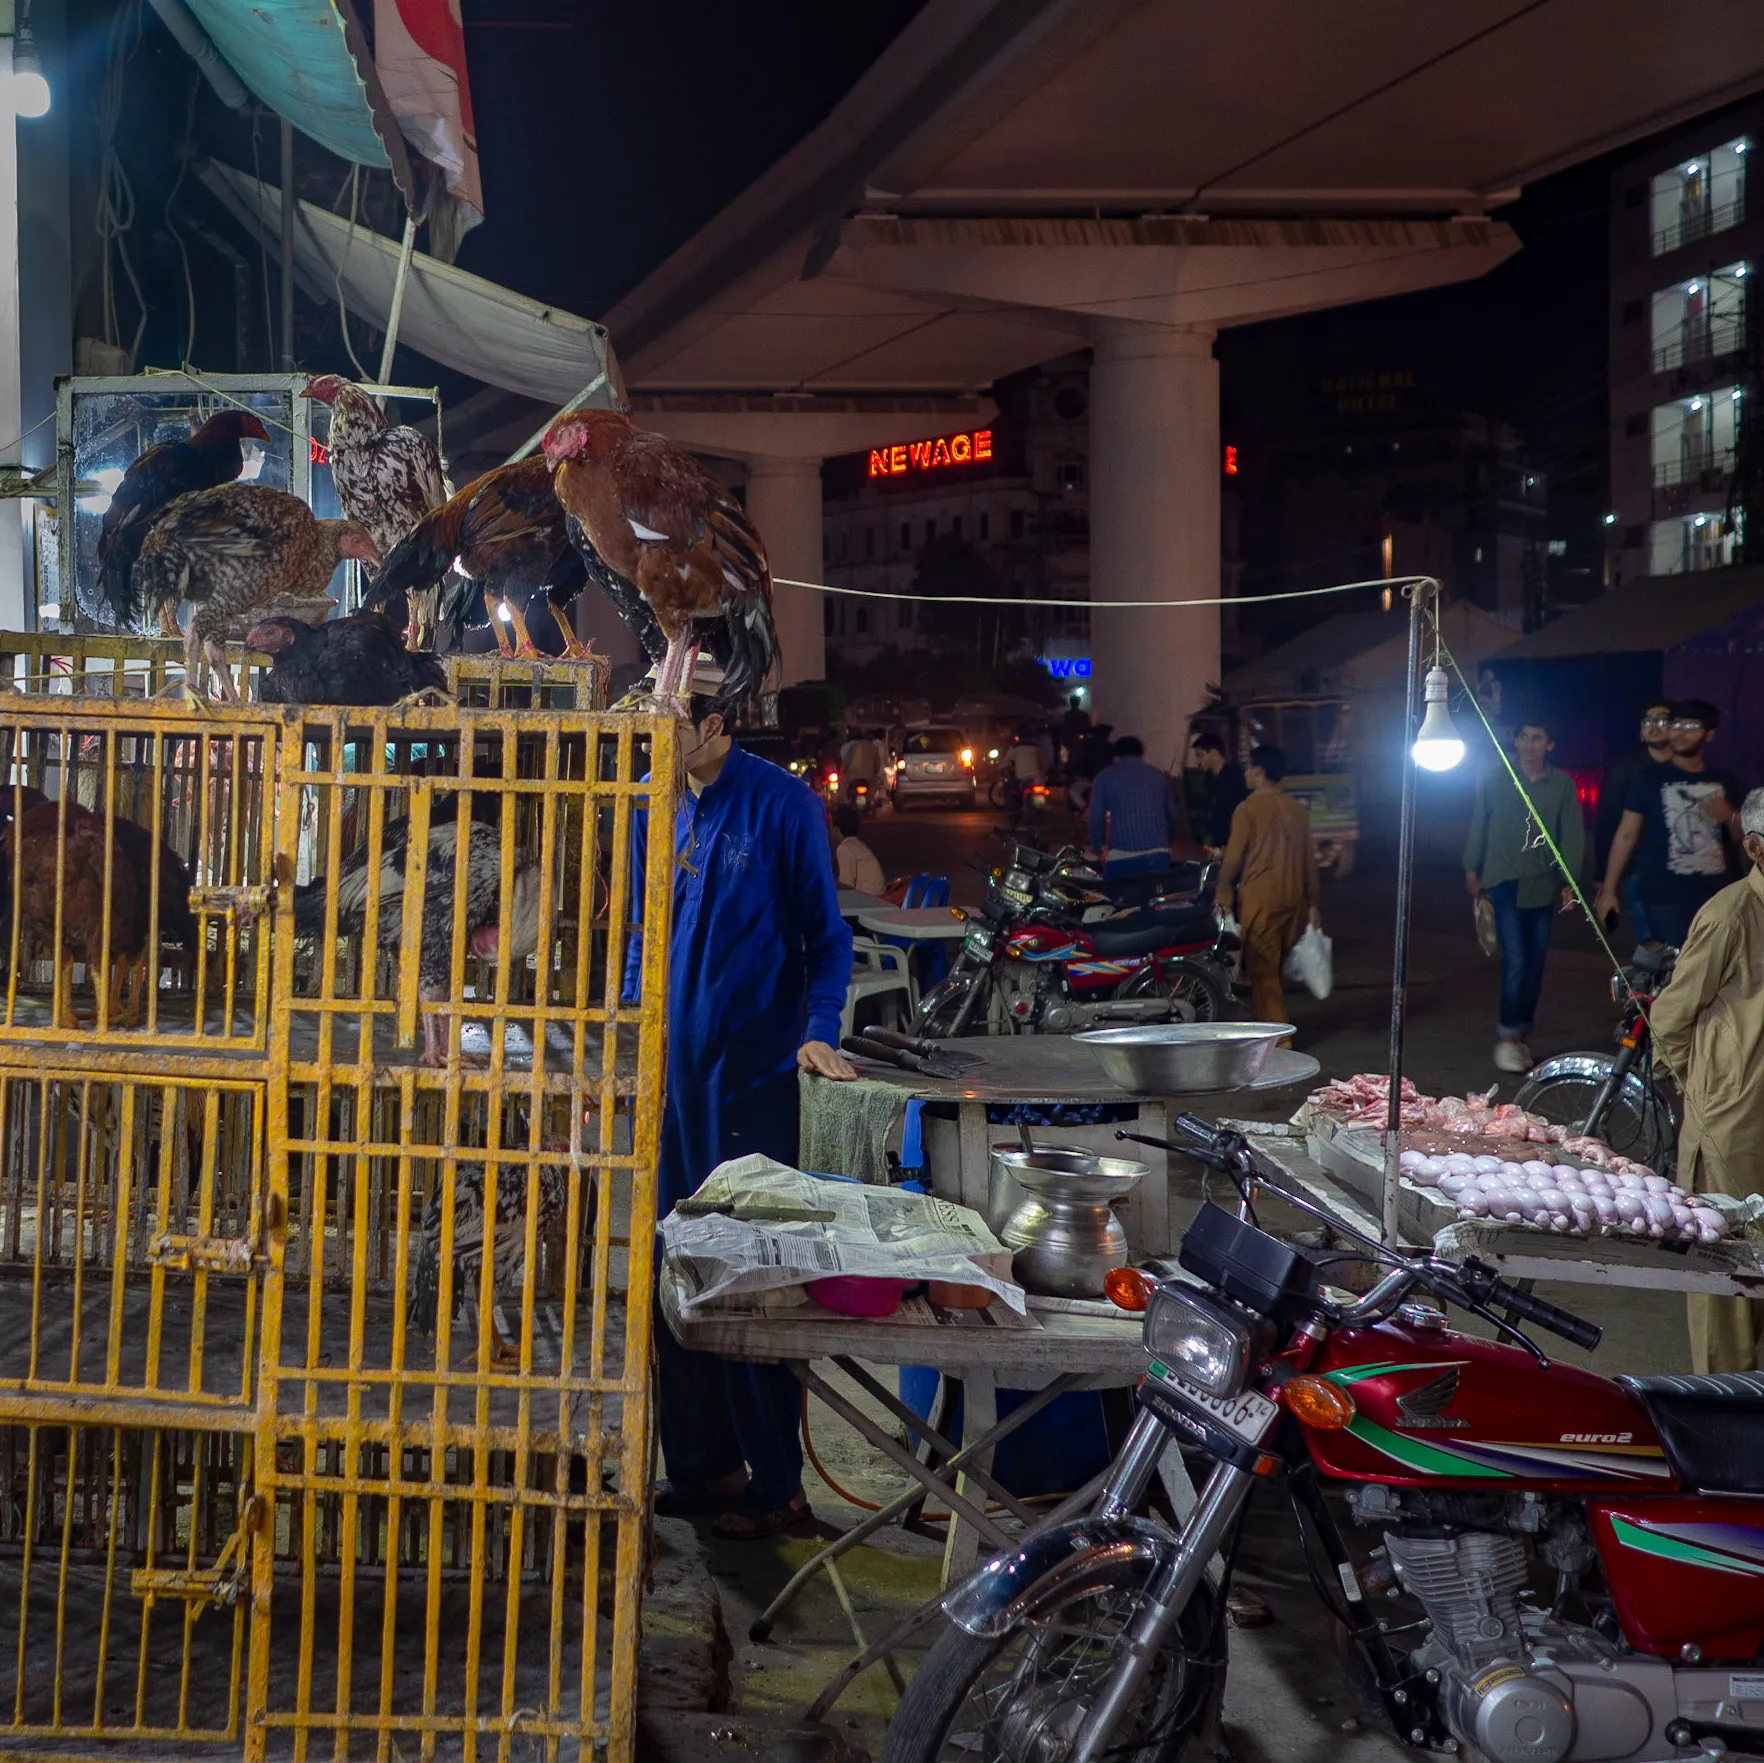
pixel 1441 647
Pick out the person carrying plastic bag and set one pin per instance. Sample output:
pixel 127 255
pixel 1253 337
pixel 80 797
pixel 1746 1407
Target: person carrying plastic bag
pixel 1270 872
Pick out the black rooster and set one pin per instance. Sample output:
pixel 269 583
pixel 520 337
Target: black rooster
pixel 213 455
pixel 485 914
pixel 508 1254
pixel 357 660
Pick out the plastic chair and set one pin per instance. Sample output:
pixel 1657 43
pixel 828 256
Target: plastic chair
pixel 926 889
pixel 876 970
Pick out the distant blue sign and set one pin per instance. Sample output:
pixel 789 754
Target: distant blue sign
pixel 1068 667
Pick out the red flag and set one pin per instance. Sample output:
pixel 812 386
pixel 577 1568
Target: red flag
pixel 419 49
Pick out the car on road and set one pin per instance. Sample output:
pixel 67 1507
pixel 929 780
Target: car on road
pixel 936 764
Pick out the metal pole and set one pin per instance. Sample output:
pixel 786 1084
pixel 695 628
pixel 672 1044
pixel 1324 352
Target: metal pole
pixel 1399 975
pixel 287 246
pixel 403 276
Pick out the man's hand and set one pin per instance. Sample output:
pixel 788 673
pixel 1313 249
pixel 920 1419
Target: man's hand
pixel 1472 884
pixel 1316 918
pixel 823 1061
pixel 1717 807
pixel 1222 899
pixel 1567 899
pixel 1604 903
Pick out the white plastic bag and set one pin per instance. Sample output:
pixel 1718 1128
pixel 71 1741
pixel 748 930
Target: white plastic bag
pixel 1312 963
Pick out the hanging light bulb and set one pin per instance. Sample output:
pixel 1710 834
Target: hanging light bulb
pixel 29 90
pixel 1437 746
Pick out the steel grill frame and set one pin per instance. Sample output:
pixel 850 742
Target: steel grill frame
pixel 269 1514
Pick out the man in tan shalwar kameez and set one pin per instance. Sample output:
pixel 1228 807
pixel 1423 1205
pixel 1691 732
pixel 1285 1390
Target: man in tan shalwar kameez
pixel 1708 1027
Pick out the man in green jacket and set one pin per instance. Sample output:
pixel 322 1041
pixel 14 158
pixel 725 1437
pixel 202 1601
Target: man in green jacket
pixel 1506 858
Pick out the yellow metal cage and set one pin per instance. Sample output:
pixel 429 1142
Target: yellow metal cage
pixel 324 1411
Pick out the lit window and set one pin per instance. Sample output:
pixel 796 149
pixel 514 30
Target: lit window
pixel 1689 437
pixel 1699 319
pixel 1698 197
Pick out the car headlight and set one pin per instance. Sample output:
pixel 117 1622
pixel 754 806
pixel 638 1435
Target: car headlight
pixel 1208 1343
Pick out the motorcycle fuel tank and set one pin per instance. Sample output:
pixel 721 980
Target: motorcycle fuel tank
pixel 1436 1408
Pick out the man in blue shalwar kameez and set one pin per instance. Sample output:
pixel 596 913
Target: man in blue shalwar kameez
pixel 759 964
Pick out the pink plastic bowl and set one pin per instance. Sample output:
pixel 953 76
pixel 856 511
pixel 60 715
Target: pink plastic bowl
pixel 852 1296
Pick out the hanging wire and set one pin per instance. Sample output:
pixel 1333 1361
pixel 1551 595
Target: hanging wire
pixel 1598 930
pixel 361 373
pixel 186 150
pixel 1087 605
pixel 116 196
pixel 269 336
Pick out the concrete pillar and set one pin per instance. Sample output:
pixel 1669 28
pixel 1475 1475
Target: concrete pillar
pixel 1154 527
pixel 784 502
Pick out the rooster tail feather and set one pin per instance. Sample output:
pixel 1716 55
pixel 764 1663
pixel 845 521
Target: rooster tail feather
pixel 309 907
pixel 115 570
pixel 422 1311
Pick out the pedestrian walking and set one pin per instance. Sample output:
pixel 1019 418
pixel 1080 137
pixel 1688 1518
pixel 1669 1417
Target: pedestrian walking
pixel 1708 1026
pixel 1132 812
pixel 1226 787
pixel 1676 824
pixel 1506 861
pixel 1655 749
pixel 1270 871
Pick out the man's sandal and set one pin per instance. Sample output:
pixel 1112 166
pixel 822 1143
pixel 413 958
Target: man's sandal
pixel 741 1521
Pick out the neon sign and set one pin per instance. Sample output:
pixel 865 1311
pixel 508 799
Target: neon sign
pixel 1231 462
pixel 319 455
pixel 933 455
pixel 1068 667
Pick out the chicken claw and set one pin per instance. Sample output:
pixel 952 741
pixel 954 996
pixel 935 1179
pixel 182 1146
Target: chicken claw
pixel 574 648
pixel 493 605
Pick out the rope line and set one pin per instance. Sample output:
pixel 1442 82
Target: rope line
pixel 1383 581
pixel 1441 647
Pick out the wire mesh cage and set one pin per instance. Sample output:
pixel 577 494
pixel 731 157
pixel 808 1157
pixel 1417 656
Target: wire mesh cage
pixel 506 682
pixel 338 1272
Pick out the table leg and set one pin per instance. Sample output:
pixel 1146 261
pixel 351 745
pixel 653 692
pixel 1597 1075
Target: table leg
pixel 980 1415
pixel 976 1154
pixel 1151 1233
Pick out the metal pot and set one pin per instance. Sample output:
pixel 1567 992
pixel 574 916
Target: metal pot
pixel 1168 1058
pixel 1063 1228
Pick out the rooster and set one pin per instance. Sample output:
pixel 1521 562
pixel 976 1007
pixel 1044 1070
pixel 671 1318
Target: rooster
pixel 359 660
pixel 485 912
pixel 230 550
pixel 504 536
pixel 387 478
pixel 655 530
pixel 508 1254
pixel 213 455
pixel 52 870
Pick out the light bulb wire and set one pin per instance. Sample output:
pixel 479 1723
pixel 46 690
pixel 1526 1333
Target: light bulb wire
pixel 1545 838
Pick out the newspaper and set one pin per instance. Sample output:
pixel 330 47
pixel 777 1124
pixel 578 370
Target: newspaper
pixel 871 1233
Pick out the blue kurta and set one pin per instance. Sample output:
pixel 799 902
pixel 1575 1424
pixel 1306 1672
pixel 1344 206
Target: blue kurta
pixel 760 961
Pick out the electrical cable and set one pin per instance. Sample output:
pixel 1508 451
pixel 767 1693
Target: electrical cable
pixel 185 149
pixel 1383 581
pixel 115 211
pixel 269 336
pixel 361 373
pixel 1573 883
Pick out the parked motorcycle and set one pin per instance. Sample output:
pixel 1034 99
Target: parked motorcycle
pixel 1582 1559
pixel 1057 947
pixel 1618 1097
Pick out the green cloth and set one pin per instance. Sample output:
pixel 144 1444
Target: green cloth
pixel 846 1126
pixel 1504 846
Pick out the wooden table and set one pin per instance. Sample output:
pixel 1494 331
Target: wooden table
pixel 1065 1347
pixel 1051 1071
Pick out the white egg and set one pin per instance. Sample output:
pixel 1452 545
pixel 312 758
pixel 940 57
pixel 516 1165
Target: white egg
pixel 1553 1198
pixel 1709 1234
pixel 1605 1207
pixel 1408 1159
pixel 1563 1169
pixel 1708 1219
pixel 1656 1184
pixel 1426 1173
pixel 1630 1204
pixel 1462 1161
pixel 1471 1204
pixel 1451 1185
pixel 1535 1166
pixel 1513 1171
pixel 1488 1166
pixel 1632 1184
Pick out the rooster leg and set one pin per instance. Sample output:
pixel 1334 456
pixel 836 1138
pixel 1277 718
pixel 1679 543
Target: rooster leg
pixel 493 605
pixel 168 620
pixel 223 674
pixel 503 1351
pixel 130 1006
pixel 574 648
pixel 193 663
pixel 524 645
pixel 64 1014
pixel 673 684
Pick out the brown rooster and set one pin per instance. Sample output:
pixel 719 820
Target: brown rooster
pixel 504 536
pixel 68 871
pixel 387 478
pixel 230 550
pixel 212 455
pixel 663 539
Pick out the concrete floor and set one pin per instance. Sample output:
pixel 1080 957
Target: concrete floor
pixel 1288 1698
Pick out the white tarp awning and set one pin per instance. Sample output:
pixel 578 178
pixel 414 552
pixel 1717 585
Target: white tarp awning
pixel 462 321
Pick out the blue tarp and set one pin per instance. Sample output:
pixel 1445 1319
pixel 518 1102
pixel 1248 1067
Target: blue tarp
pixel 307 60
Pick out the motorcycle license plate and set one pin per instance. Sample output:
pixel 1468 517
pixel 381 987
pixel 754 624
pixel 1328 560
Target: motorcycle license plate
pixel 1246 1415
pixel 978 942
pixel 1019 897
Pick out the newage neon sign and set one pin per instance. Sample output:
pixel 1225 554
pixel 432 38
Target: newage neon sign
pixel 1068 667
pixel 932 455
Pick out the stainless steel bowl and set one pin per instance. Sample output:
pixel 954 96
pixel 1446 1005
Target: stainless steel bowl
pixel 1062 1228
pixel 1170 1058
pixel 1089 1176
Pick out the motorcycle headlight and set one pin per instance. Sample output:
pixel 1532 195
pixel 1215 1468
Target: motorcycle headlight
pixel 1202 1340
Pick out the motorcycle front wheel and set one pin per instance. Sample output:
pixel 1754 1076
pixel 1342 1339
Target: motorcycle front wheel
pixel 1023 1696
pixel 1640 1122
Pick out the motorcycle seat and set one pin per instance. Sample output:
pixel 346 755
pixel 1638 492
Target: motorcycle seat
pixel 1711 1426
pixel 1143 932
pixel 1150 884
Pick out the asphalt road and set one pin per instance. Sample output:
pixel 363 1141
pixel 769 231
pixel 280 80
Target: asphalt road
pixel 1453 986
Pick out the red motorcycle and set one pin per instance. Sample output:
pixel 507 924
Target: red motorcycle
pixel 1579 1561
pixel 1054 950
